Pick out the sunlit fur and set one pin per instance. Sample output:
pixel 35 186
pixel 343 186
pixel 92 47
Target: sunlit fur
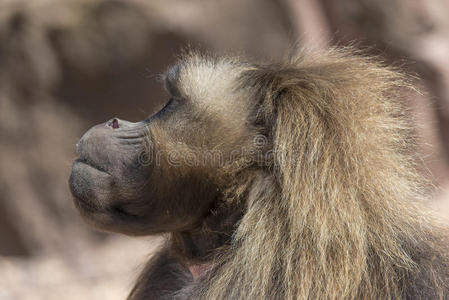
pixel 333 207
pixel 336 214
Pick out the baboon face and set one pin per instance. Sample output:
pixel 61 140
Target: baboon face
pixel 164 173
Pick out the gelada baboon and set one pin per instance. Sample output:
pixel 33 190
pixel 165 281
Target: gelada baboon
pixel 274 181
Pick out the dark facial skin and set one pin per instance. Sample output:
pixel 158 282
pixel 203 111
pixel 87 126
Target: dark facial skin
pixel 128 176
pixel 107 172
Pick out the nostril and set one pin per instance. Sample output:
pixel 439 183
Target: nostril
pixel 113 123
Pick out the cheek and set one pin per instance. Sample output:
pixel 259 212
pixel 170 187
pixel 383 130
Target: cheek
pixel 182 192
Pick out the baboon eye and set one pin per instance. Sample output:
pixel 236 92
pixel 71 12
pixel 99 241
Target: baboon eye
pixel 170 104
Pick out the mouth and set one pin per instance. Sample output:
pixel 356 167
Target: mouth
pixel 90 164
pixel 89 185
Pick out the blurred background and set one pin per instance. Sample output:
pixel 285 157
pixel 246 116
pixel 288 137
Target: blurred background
pixel 67 65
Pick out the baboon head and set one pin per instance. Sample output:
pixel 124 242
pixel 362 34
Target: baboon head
pixel 164 173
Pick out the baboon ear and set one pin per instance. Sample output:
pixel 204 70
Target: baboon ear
pixel 294 117
pixel 271 86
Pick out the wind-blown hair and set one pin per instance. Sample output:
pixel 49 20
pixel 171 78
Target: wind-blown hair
pixel 336 213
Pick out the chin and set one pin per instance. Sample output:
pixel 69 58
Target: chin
pixel 90 187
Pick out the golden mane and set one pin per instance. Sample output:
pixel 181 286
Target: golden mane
pixel 337 215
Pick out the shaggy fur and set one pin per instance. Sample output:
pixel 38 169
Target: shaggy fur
pixel 322 200
pixel 335 216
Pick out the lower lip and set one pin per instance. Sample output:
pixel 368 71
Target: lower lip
pixel 84 162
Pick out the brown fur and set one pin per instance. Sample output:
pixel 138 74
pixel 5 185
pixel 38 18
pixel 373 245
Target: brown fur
pixel 337 215
pixel 322 200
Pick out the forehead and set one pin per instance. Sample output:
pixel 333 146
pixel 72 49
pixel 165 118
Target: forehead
pixel 207 80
